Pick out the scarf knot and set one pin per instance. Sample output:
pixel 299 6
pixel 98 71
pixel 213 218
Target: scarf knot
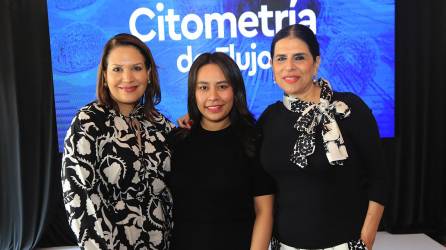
pixel 309 116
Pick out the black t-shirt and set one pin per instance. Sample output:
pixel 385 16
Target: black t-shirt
pixel 323 205
pixel 213 185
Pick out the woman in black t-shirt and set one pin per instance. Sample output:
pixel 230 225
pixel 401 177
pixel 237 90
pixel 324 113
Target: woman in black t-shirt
pixel 222 196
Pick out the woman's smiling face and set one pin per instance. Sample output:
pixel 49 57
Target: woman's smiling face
pixel 294 66
pixel 214 97
pixel 126 77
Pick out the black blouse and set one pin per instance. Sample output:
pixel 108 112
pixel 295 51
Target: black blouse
pixel 323 205
pixel 213 185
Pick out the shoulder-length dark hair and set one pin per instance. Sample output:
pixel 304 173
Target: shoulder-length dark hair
pixel 241 118
pixel 152 95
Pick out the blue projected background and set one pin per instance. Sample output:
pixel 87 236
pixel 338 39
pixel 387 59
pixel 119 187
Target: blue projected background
pixel 356 38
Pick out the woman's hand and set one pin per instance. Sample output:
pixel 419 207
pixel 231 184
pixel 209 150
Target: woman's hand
pixel 371 223
pixel 185 121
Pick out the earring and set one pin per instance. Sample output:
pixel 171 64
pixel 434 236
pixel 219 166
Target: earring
pixel 149 82
pixel 105 84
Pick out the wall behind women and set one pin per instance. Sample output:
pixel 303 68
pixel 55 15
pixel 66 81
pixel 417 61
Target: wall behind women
pixel 356 37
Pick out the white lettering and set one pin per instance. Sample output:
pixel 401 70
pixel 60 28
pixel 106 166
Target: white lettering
pixel 249 60
pixel 311 22
pixel 161 33
pixel 293 3
pixel 253 70
pixel 243 24
pixel 132 24
pixel 264 14
pixel 220 19
pixel 292 17
pixel 263 60
pixel 280 15
pixel 171 18
pixel 187 58
pixel 238 60
pixel 248 24
pixel 231 50
pixel 185 24
pixel 222 49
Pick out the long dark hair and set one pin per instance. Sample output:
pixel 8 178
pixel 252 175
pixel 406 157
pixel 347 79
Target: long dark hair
pixel 152 95
pixel 241 118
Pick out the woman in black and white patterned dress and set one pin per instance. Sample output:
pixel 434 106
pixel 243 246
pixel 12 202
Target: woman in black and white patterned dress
pixel 115 158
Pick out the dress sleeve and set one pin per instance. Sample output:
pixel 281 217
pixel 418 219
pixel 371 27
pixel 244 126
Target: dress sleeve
pixel 368 141
pixel 262 182
pixel 166 123
pixel 79 183
pixel 260 122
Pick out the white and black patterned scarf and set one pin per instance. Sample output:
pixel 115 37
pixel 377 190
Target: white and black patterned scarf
pixel 309 116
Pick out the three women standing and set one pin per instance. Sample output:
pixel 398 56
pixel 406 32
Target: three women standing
pixel 321 147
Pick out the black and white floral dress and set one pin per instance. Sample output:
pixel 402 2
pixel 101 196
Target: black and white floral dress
pixel 114 185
